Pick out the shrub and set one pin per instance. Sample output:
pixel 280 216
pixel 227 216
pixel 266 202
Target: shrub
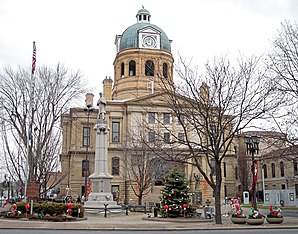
pixel 52 209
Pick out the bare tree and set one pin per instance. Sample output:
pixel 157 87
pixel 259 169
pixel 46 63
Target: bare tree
pixel 142 166
pixel 55 89
pixel 283 64
pixel 212 109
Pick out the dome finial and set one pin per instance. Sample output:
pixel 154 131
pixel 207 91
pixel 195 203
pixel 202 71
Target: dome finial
pixel 143 6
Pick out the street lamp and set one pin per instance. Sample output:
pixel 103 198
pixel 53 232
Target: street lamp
pixel 88 109
pixel 252 148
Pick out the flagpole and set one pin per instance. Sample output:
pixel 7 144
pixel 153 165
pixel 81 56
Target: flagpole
pixel 30 120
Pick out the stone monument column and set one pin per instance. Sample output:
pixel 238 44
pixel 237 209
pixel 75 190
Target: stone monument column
pixel 101 179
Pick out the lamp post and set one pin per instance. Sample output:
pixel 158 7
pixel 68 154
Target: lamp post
pixel 88 109
pixel 252 148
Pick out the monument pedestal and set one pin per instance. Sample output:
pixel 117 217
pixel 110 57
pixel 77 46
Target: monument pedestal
pixel 101 195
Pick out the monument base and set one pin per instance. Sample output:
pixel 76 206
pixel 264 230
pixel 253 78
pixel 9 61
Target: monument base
pixel 98 201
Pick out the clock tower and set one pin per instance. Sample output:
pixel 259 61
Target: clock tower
pixel 143 61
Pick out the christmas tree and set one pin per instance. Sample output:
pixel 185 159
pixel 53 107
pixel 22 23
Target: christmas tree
pixel 175 195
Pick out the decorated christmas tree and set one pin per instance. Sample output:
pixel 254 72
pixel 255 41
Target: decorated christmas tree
pixel 175 196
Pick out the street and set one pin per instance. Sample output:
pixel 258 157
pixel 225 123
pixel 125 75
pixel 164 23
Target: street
pixel 250 231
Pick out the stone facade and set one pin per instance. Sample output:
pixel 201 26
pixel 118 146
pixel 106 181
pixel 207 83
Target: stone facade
pixel 140 69
pixel 127 114
pixel 277 163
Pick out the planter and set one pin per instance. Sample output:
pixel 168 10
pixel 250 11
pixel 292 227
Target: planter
pixel 255 221
pixel 276 220
pixel 238 220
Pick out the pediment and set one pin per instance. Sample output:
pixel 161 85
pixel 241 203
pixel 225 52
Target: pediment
pixel 149 30
pixel 157 99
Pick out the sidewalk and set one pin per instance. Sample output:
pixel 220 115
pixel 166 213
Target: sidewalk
pixel 136 221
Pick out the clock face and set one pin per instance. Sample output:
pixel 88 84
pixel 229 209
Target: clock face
pixel 149 42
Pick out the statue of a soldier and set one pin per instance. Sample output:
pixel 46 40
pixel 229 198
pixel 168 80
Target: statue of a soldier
pixel 101 103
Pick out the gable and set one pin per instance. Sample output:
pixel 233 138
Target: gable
pixel 149 30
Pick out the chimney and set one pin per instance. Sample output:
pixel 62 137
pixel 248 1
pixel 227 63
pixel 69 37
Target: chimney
pixel 107 88
pixel 204 93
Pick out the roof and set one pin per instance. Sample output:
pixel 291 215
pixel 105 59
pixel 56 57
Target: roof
pixel 129 38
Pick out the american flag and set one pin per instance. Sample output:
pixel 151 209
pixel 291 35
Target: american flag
pixel 33 58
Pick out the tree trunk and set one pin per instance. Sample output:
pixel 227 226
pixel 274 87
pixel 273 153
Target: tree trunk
pixel 217 196
pixel 140 197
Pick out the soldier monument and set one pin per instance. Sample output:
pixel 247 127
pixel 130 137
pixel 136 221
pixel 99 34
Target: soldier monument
pixel 100 195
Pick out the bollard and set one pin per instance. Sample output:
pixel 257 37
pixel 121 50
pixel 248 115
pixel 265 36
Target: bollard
pixel 126 209
pixel 155 211
pixel 105 209
pixel 31 208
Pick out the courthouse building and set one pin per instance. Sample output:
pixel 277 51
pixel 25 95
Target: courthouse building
pixel 134 95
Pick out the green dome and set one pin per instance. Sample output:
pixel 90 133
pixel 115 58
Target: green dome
pixel 129 38
pixel 143 11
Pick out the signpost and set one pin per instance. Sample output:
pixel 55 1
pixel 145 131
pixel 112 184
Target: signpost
pixel 32 190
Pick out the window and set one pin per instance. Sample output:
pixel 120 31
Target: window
pixel 181 137
pixel 151 117
pixel 225 169
pixel 132 68
pixel 135 160
pixel 165 70
pixel 273 170
pixel 140 17
pixel 122 69
pixel 115 131
pixel 181 119
pixel 283 186
pixel 296 190
pixel 160 168
pixel 235 149
pixel 295 167
pixel 236 173
pixel 166 137
pixel 166 118
pixel 282 169
pixel 144 17
pixel 115 166
pixel 149 68
pixel 265 170
pixel 86 136
pixel 151 136
pixel 85 168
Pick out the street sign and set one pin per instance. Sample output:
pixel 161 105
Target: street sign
pixel 33 190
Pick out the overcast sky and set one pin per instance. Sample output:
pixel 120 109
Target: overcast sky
pixel 80 33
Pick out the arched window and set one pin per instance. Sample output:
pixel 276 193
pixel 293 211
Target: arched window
pixel 165 70
pixel 132 68
pixel 149 68
pixel 273 170
pixel 85 168
pixel 122 69
pixel 282 169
